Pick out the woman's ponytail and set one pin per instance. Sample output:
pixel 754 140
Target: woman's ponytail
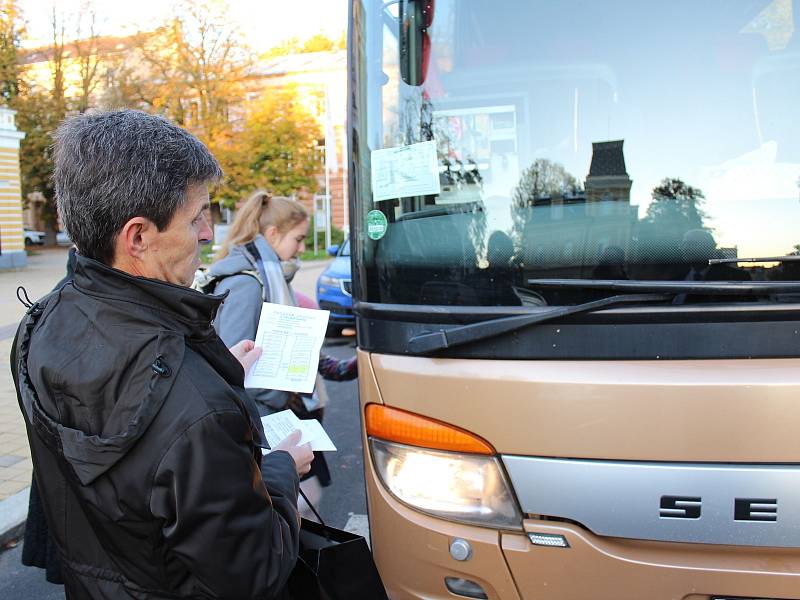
pixel 260 211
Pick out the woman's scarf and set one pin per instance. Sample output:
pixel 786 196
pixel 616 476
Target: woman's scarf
pixel 279 290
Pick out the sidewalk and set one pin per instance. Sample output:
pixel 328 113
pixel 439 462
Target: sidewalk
pixel 44 270
pixel 15 456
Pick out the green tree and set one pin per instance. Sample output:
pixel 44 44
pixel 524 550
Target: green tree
pixel 276 149
pixel 11 28
pixel 38 116
pixel 39 111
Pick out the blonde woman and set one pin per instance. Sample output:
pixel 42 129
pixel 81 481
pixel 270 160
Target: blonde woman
pixel 255 265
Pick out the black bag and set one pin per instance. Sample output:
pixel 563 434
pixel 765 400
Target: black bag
pixel 333 565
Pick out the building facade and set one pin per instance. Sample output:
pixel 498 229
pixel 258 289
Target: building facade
pixel 12 235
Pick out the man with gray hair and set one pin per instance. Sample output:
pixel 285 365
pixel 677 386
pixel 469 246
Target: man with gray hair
pixel 144 451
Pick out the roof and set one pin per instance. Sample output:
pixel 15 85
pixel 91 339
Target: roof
pixel 99 46
pixel 335 60
pixel 607 159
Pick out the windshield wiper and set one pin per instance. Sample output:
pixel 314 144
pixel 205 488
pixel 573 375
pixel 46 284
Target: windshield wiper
pixel 757 259
pixel 708 288
pixel 465 334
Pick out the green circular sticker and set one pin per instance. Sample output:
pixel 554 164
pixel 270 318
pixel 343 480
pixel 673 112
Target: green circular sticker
pixel 376 224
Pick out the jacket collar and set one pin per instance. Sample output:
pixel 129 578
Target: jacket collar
pixel 186 309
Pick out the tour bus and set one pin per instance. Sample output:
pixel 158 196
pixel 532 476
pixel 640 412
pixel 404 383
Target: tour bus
pixel 576 275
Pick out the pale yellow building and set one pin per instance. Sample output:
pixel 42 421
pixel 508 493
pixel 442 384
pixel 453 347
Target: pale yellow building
pixel 110 54
pixel 12 238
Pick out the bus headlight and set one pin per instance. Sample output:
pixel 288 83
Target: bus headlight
pixel 460 487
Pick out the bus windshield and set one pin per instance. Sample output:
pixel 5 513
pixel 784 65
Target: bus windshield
pixel 501 145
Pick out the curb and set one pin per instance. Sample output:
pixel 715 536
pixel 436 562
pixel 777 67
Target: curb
pixel 13 512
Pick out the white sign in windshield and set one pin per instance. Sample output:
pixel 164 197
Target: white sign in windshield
pixel 405 171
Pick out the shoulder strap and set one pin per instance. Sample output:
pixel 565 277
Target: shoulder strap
pixel 207 283
pixel 253 250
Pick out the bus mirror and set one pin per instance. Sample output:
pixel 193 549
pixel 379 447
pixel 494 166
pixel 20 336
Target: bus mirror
pixel 416 17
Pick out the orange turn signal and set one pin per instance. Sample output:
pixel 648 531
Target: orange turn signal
pixel 395 425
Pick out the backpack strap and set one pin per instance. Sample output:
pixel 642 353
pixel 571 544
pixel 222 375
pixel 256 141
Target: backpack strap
pixel 207 283
pixel 253 250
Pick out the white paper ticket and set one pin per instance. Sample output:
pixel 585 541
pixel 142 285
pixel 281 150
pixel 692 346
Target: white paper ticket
pixel 278 426
pixel 290 339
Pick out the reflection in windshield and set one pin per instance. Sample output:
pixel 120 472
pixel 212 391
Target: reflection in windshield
pixel 586 141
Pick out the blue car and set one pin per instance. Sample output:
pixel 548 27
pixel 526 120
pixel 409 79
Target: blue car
pixel 334 289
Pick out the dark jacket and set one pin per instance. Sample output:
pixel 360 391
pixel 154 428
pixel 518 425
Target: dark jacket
pixel 38 548
pixel 146 458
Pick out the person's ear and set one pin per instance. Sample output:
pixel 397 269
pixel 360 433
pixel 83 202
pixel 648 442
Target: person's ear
pixel 272 235
pixel 135 238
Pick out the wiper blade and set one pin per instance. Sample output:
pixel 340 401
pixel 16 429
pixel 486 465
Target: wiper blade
pixel 756 259
pixel 465 334
pixel 709 288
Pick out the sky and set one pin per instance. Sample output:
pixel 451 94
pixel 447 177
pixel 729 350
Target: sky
pixel 264 22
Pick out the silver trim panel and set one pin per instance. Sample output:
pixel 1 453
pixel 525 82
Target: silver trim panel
pixel 624 499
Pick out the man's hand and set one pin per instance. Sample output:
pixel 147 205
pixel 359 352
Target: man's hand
pixel 302 455
pixel 246 353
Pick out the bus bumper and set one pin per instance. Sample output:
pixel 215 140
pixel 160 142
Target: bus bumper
pixel 413 557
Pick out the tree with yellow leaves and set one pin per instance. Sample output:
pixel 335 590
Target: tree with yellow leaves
pixel 277 148
pixel 194 68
